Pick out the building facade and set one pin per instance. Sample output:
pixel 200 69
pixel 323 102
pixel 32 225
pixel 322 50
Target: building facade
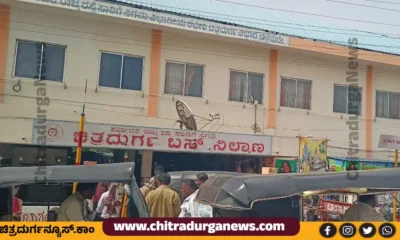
pixel 139 62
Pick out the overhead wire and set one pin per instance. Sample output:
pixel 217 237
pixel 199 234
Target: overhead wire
pixel 79 105
pixel 290 26
pixel 187 49
pixel 377 1
pixel 363 5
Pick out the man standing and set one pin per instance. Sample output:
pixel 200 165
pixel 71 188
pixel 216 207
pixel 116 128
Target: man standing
pixel 201 178
pixel 109 204
pixel 76 208
pixel 189 193
pixel 101 188
pixel 163 202
pixel 150 185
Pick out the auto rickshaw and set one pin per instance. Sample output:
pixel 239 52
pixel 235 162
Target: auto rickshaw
pixel 281 195
pixel 57 177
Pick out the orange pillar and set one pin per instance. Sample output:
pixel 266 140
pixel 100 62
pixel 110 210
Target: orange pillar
pixel 369 114
pixel 272 88
pixel 4 31
pixel 155 64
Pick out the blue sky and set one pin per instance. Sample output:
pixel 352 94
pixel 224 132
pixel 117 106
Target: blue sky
pixel 324 7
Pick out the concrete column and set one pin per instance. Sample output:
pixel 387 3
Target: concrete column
pixel 131 155
pixel 147 164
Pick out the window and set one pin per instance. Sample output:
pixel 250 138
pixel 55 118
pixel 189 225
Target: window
pixel 296 93
pixel 347 99
pixel 246 87
pixel 121 71
pixel 387 105
pixel 40 61
pixel 183 79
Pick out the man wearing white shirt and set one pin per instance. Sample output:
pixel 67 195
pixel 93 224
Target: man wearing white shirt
pixel 188 190
pixel 109 203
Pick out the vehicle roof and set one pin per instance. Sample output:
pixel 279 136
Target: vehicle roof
pixel 242 192
pixel 193 174
pixel 116 172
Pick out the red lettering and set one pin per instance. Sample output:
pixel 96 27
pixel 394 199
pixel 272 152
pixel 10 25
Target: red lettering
pixel 258 147
pixel 220 146
pixel 171 143
pixel 150 132
pixel 97 138
pixel 117 139
pixel 150 142
pixel 76 137
pixel 165 133
pixel 192 143
pixel 141 138
pixel 234 147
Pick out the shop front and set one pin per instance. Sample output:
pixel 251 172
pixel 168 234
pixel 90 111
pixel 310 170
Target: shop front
pixel 175 149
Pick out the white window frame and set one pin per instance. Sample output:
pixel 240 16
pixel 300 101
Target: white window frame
pixel 295 103
pixel 184 77
pixel 122 69
pixel 41 58
pixel 388 96
pixel 347 98
pixel 247 85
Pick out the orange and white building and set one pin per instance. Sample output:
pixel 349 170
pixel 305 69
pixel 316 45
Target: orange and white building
pixel 139 57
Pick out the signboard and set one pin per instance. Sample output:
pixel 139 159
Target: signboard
pixel 313 154
pixel 334 206
pixel 35 213
pixel 286 166
pixel 60 133
pixel 167 20
pixel 389 142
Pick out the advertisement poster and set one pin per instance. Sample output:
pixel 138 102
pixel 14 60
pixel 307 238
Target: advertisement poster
pixel 336 165
pixel 286 166
pixel 348 165
pixel 313 154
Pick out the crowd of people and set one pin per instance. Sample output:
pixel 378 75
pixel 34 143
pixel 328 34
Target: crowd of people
pixel 162 201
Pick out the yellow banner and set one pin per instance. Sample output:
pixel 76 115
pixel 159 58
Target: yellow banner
pixel 313 154
pixel 314 230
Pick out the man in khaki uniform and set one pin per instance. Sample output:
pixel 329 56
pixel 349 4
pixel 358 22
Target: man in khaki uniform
pixel 75 208
pixel 150 185
pixel 163 202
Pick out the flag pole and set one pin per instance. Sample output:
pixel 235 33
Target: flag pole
pixel 80 136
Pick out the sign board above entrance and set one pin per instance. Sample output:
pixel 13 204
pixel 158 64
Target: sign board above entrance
pixel 165 20
pixel 389 142
pixel 60 133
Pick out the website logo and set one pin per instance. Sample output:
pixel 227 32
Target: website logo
pixel 367 230
pixel 348 230
pixel 387 230
pixel 327 230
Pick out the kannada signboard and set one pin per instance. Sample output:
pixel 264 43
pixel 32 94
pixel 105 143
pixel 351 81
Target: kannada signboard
pixel 61 133
pixel 389 142
pixel 163 19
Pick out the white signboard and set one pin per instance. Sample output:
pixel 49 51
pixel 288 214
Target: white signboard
pixel 35 213
pixel 389 142
pixel 202 210
pixel 166 20
pixel 60 133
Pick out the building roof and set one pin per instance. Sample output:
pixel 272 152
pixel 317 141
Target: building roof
pixel 270 20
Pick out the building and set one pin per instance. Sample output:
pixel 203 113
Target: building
pixel 139 58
